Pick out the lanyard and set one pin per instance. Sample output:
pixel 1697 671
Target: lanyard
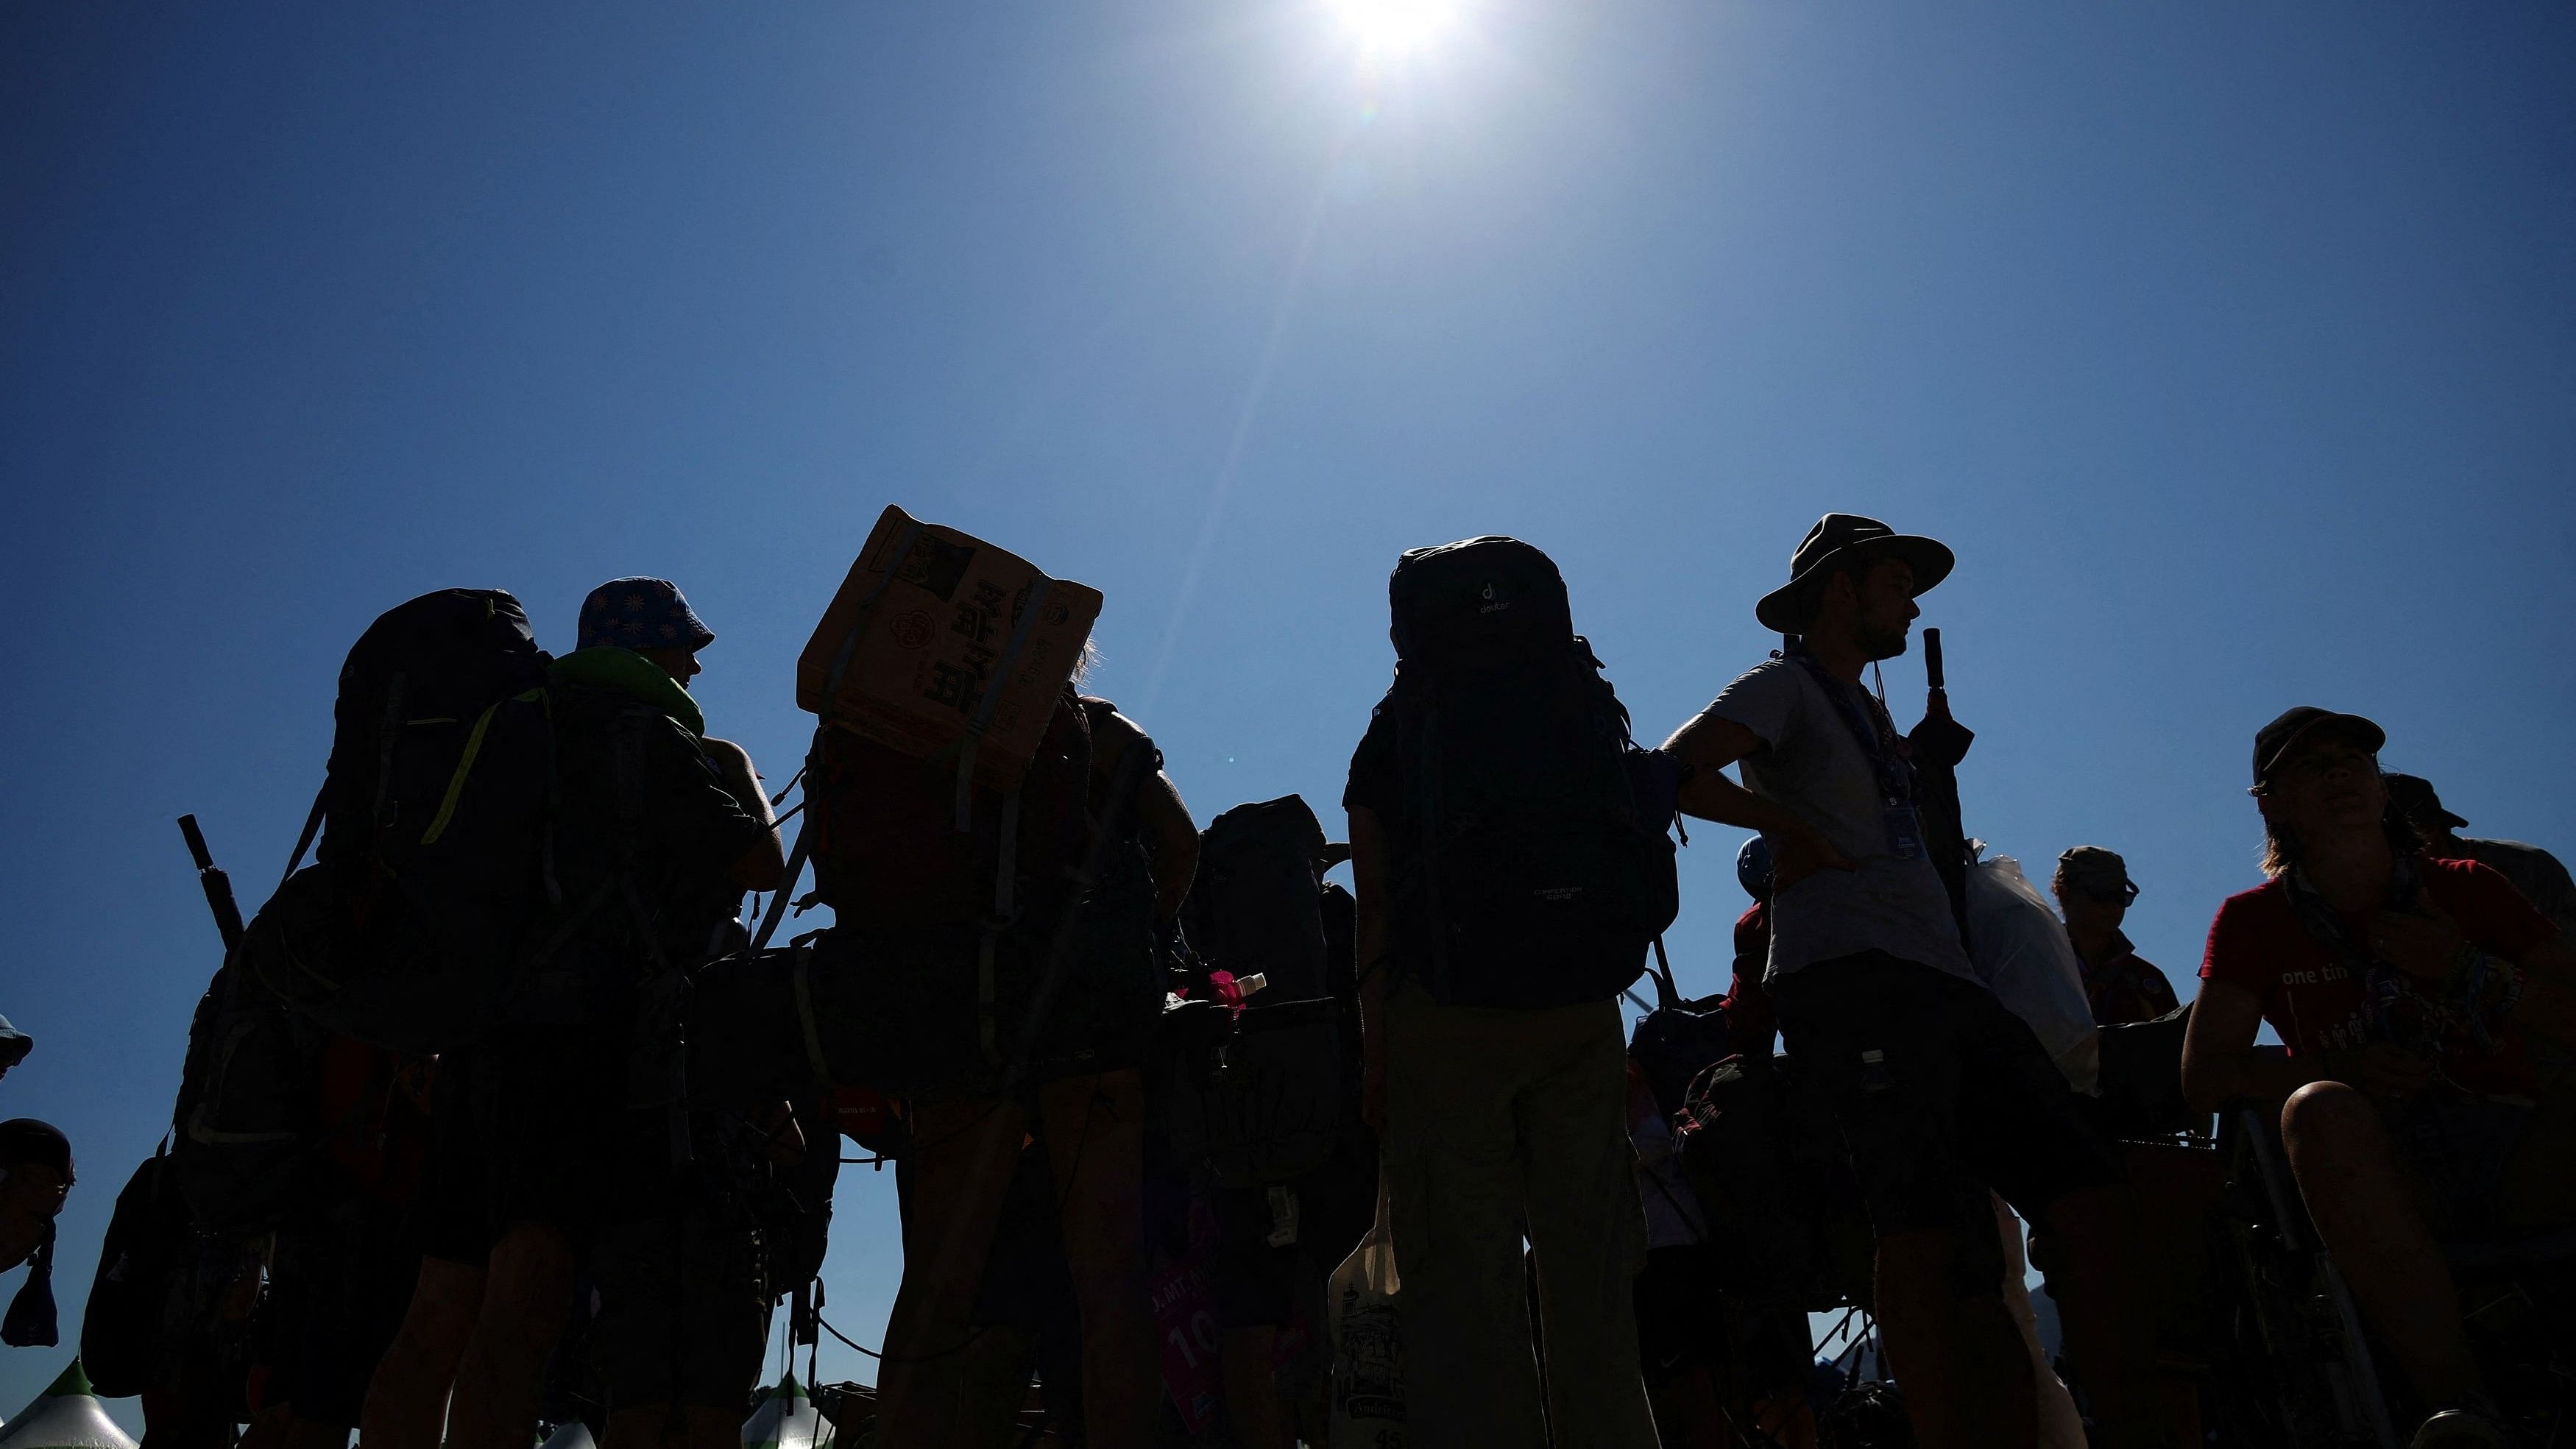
pixel 1874 733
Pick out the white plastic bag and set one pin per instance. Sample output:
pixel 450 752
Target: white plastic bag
pixel 1368 1343
pixel 2060 1426
pixel 2020 950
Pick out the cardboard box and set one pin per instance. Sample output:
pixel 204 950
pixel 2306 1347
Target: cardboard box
pixel 944 637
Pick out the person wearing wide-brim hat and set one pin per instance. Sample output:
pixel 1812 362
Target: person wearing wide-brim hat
pixel 1943 1096
pixel 1848 545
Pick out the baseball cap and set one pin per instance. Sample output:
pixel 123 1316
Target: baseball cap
pixel 2415 798
pixel 2284 734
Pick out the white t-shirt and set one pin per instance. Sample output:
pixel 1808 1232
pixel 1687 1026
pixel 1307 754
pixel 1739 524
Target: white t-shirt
pixel 1814 767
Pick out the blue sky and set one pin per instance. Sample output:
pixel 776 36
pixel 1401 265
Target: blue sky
pixel 2229 345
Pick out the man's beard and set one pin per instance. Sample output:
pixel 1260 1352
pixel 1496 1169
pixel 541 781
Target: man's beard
pixel 1881 643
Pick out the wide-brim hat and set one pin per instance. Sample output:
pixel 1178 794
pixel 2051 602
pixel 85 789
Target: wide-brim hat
pixel 2285 733
pixel 1847 538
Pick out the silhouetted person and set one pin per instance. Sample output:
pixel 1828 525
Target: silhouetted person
pixel 35 1180
pixel 2400 984
pixel 1940 1092
pixel 659 831
pixel 1496 1062
pixel 2093 893
pixel 1084 1103
pixel 14 1046
pixel 2536 873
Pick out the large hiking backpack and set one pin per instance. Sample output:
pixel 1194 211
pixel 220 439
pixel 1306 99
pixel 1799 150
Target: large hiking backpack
pixel 1678 1039
pixel 892 851
pixel 1785 1218
pixel 946 791
pixel 433 865
pixel 1761 1211
pixel 249 1117
pixel 1543 869
pixel 942 919
pixel 149 1236
pixel 1255 906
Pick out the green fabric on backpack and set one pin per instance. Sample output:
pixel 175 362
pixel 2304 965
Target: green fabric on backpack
pixel 608 666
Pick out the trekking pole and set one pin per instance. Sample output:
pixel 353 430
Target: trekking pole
pixel 218 886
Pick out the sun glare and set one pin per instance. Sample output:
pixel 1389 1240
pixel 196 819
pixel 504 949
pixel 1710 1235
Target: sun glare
pixel 1396 27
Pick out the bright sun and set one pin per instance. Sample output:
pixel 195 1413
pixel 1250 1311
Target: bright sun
pixel 1392 27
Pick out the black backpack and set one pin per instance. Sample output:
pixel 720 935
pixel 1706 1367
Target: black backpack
pixel 1255 905
pixel 1678 1039
pixel 2140 1093
pixel 150 1237
pixel 249 1111
pixel 1542 868
pixel 434 866
pixel 1785 1218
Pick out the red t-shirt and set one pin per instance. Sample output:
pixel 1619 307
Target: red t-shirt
pixel 1748 1007
pixel 2311 998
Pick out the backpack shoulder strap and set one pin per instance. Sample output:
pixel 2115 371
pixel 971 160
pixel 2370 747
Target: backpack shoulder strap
pixel 1667 994
pixel 312 828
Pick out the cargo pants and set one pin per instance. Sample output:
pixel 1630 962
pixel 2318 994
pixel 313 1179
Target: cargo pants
pixel 1503 1124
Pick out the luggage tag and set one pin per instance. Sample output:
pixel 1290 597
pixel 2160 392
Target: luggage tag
pixel 1904 830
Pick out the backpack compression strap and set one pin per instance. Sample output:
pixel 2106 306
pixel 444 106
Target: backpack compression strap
pixel 989 940
pixel 803 976
pixel 1140 757
pixel 312 827
pixel 1667 994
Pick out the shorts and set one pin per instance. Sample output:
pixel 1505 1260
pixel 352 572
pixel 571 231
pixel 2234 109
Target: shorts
pixel 1255 1283
pixel 343 1280
pixel 683 1311
pixel 1940 1094
pixel 521 1132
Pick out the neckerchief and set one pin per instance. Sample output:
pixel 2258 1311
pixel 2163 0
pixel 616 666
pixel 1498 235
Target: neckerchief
pixel 2398 1009
pixel 629 673
pixel 30 1320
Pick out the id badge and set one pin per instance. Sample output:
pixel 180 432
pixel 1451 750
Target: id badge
pixel 1904 832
